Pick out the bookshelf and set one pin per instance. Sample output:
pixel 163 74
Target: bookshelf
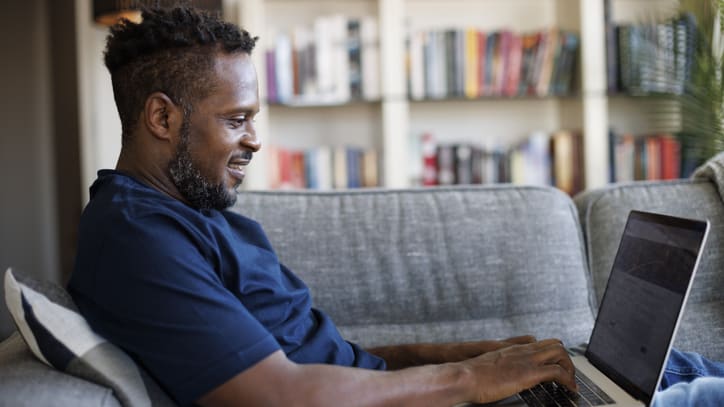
pixel 636 111
pixel 394 123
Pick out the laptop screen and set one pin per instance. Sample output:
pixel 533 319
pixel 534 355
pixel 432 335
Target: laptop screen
pixel 646 291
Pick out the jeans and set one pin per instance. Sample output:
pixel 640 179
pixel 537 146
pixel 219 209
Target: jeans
pixel 691 380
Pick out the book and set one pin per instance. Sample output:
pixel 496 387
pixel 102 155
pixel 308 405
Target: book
pixel 323 167
pixel 429 160
pixel 271 76
pixel 369 35
pixel 310 169
pixel 491 47
pixel 284 160
pixel 565 65
pixel 552 46
pixel 624 158
pixel 418 76
pixel 482 44
pixel 354 167
pixel 501 62
pixel 640 158
pixel 477 162
pixel 530 45
pixel 514 66
pixel 354 53
pixel 451 62
pixel 653 158
pixel 297 178
pixel 459 58
pixel 340 58
pixel 440 61
pixel 538 159
pixel 562 148
pixel 323 56
pixel 472 64
pixel 670 157
pixel 445 165
pixel 612 60
pixel 339 168
pixel 284 68
pixel 463 163
pixel 370 168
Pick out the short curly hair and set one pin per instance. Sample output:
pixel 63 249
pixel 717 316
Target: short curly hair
pixel 171 50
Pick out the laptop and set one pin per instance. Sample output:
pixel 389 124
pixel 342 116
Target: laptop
pixel 638 317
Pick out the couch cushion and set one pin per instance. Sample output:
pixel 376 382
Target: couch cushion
pixel 434 264
pixel 603 216
pixel 59 336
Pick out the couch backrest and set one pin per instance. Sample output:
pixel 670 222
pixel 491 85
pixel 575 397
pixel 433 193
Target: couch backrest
pixel 435 264
pixel 603 216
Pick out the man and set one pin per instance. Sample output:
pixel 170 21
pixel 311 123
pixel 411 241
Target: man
pixel 194 293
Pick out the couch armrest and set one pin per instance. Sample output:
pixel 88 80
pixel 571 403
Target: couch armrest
pixel 603 215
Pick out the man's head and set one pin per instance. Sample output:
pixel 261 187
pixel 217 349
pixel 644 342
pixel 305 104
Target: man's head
pixel 186 92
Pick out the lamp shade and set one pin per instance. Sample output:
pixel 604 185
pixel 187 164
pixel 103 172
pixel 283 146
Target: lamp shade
pixel 109 12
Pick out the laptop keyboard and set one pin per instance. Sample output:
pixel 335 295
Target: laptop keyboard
pixel 553 394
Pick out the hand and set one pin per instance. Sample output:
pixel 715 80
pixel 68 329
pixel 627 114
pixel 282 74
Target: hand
pixel 457 352
pixel 509 370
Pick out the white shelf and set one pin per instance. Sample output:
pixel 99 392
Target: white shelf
pixel 388 124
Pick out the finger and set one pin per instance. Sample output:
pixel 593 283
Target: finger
pixel 558 374
pixel 567 363
pixel 554 353
pixel 521 340
pixel 547 342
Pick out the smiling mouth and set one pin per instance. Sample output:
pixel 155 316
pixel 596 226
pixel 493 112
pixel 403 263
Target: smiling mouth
pixel 239 161
pixel 237 165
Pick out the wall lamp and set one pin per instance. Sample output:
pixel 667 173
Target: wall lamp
pixel 108 12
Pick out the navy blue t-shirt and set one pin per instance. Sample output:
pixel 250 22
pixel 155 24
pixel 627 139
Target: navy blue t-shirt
pixel 195 296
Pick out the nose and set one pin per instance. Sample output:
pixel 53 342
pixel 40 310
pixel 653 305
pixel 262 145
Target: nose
pixel 250 141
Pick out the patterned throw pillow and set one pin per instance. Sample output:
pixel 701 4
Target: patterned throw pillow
pixel 59 336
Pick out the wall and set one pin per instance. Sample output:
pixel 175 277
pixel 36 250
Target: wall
pixel 28 230
pixel 100 126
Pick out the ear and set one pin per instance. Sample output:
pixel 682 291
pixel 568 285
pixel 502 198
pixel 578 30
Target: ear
pixel 161 116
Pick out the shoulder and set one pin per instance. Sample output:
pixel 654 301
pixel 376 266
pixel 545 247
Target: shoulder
pixel 121 207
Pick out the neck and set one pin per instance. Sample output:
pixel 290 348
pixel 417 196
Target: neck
pixel 154 174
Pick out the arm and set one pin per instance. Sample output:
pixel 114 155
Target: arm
pixel 408 355
pixel 488 377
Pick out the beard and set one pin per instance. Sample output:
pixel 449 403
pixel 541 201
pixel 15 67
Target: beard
pixel 199 191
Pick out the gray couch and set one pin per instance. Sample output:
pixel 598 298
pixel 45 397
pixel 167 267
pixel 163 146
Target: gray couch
pixel 447 264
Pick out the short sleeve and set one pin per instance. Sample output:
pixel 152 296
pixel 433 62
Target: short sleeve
pixel 151 288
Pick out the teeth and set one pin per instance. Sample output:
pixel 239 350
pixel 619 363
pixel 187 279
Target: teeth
pixel 236 166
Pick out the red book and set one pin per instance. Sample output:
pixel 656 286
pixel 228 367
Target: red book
pixel 284 159
pixel 482 43
pixel 429 160
pixel 653 158
pixel 298 180
pixel 670 157
pixel 515 59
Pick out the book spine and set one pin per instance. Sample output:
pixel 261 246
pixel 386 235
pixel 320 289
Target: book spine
pixel 369 33
pixel 429 160
pixel 354 53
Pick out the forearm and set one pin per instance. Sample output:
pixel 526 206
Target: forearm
pixel 431 385
pixel 408 355
pixel 492 376
pixel 278 382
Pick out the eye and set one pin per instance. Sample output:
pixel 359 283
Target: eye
pixel 236 122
